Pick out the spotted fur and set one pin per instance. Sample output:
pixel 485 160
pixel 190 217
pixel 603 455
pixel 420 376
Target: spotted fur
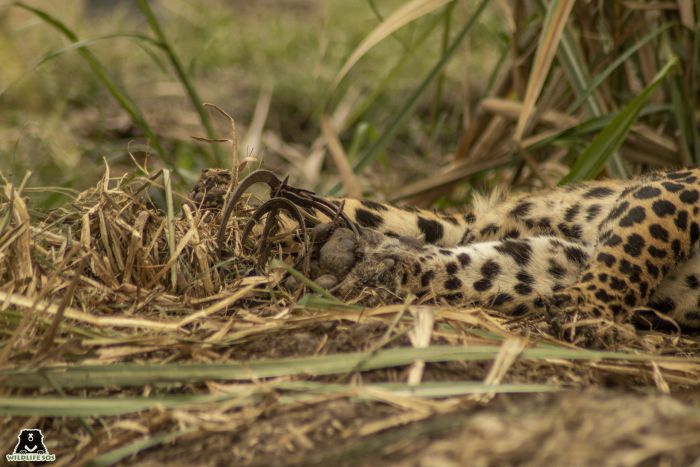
pixel 604 248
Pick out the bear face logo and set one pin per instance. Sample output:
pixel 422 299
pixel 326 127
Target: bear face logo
pixel 31 441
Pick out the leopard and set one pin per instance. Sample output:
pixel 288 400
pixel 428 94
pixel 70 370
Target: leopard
pixel 621 251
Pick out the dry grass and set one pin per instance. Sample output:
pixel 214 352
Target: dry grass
pixel 118 336
pixel 122 328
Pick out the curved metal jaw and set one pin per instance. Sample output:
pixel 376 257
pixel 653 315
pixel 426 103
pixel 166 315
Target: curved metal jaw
pixel 283 197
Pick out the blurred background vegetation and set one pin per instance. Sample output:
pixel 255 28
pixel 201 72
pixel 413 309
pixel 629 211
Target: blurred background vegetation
pixel 423 100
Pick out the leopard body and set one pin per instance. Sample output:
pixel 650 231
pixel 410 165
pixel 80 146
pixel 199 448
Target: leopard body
pixel 617 250
pixel 611 248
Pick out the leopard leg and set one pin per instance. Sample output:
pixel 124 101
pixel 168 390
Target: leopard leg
pixel 652 227
pixel 512 276
pixel 675 304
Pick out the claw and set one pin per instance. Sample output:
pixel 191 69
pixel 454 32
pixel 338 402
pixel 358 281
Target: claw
pixel 259 176
pixel 272 207
pixel 282 197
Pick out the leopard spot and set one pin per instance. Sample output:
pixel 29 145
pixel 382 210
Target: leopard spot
pixel 606 258
pixel 643 289
pixel 451 219
pixel 464 259
pixel 368 219
pixel 525 277
pixel 523 289
pixel 617 283
pixel 603 296
pixel 482 285
pixel 544 224
pixel 520 251
pixel 598 192
pixel 658 232
pixel 417 268
pixel 635 215
pixel 673 187
pixel 556 269
pixel 490 229
pixel 520 310
pixel 664 305
pixel 373 205
pixel 618 210
pixel 635 244
pixel 571 231
pixel 694 232
pixel 652 269
pixel 689 196
pixel 521 210
pixel 592 212
pixel 572 212
pixel 426 278
pixel 647 192
pixel 681 220
pixel 451 268
pixel 501 298
pixel 576 255
pixel 679 175
pixel 663 208
pixel 630 299
pixel 656 252
pixel 432 229
pixel 677 251
pixel 613 240
pixel 490 269
pixel 453 283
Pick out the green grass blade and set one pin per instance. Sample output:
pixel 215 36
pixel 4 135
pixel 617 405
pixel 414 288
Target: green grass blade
pixel 103 406
pixel 138 375
pixel 183 78
pixel 116 455
pixel 591 160
pixel 577 71
pixel 412 100
pixel 402 16
pixel 277 264
pixel 368 103
pixel 440 82
pixel 682 112
pixel 80 44
pixel 584 95
pixel 103 76
pixel 693 85
pixel 555 21
pixel 586 127
pixel 112 406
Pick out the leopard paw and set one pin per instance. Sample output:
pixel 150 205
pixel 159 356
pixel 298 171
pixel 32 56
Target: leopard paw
pixel 346 263
pixel 573 317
